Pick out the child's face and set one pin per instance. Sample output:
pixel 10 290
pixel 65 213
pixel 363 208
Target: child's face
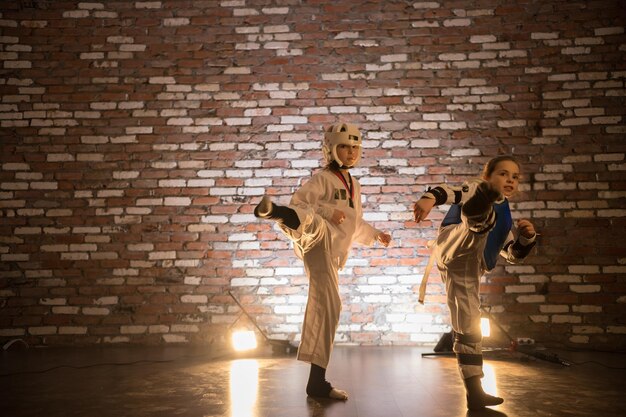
pixel 505 177
pixel 348 154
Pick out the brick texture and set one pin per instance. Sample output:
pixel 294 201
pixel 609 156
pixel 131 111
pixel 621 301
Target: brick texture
pixel 136 137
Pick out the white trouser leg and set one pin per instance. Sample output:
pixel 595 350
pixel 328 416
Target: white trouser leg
pixel 312 242
pixel 323 307
pixel 460 254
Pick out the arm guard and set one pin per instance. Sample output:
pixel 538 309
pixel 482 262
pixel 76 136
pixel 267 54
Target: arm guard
pixel 444 194
pixel 441 196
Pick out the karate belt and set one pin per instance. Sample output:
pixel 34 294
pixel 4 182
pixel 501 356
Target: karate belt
pixel 431 260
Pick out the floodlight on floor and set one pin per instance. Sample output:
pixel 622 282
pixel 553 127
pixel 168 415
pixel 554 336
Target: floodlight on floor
pixel 282 346
pixel 485 327
pixel 244 340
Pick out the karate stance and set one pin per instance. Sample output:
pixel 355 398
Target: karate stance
pixel 474 232
pixel 323 219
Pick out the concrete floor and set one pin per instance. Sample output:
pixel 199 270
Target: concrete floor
pixel 381 381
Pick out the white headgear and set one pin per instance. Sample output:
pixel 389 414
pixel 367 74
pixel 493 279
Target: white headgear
pixel 341 134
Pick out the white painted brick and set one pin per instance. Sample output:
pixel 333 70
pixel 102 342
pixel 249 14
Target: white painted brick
pixel 65 310
pixel 482 38
pixel 465 152
pixel 587 330
pixel 96 311
pixel 567 278
pixel 12 332
pixel 180 21
pixel 274 281
pixel 54 248
pixel 423 126
pixel 452 57
pixel 108 300
pixel 586 309
pixel 615 30
pixel 426 5
pixel 177 201
pixel 27 230
pixel 558 318
pixel 606 120
pixel 162 255
pixel 133 329
pixel 453 125
pixel 588 288
pixel 184 328
pixel 244 282
pixel 584 269
pixel 42 330
pixel 511 123
pixel 158 328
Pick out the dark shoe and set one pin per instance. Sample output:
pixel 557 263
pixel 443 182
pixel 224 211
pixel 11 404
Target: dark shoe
pixel 325 390
pixel 476 397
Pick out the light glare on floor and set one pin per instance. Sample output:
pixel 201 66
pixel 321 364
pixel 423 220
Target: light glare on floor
pixel 485 328
pixel 489 380
pixel 244 340
pixel 244 388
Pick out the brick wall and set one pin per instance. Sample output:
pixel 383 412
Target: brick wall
pixel 136 136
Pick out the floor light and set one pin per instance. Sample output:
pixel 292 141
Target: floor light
pixel 244 340
pixel 485 327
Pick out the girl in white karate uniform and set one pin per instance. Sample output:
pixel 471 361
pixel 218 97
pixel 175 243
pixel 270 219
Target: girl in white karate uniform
pixel 475 231
pixel 323 219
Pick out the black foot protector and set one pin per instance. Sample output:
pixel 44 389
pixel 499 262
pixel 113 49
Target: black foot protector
pixel 476 397
pixel 268 210
pixel 480 203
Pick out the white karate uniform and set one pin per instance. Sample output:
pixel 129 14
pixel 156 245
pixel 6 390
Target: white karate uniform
pixel 460 255
pixel 324 247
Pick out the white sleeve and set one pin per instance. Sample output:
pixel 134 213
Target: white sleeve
pixel 365 233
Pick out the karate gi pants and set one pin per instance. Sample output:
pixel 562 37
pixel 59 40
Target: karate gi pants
pixel 312 242
pixel 459 252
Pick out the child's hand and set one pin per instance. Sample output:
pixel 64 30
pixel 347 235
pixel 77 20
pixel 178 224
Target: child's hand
pixel 526 228
pixel 384 239
pixel 422 208
pixel 338 217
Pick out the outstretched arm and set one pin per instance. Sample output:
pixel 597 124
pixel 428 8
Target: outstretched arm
pixel 422 208
pixel 443 194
